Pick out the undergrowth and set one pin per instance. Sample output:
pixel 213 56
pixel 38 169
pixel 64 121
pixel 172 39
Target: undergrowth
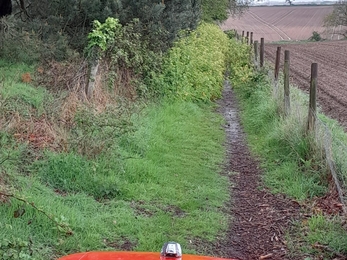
pixel 109 174
pixel 167 189
pixel 194 68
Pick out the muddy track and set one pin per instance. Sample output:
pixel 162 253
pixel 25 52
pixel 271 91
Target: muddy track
pixel 259 217
pixel 332 73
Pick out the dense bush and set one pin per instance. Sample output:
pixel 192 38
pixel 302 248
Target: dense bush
pixel 194 68
pixel 25 43
pixel 240 66
pixel 315 37
pixel 129 60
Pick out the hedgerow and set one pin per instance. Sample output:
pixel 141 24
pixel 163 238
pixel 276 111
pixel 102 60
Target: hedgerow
pixel 240 66
pixel 194 68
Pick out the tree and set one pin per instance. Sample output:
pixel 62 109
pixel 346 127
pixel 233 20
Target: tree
pixel 214 10
pixel 71 18
pixel 338 16
pixel 162 20
pixel 220 10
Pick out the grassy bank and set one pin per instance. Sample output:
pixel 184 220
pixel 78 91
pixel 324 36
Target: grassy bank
pixel 168 188
pixel 110 174
pixel 292 162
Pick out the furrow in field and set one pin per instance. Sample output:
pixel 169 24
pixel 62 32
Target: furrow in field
pixel 332 75
pixel 281 33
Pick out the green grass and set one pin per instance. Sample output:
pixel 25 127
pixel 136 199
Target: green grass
pixel 19 96
pixel 292 162
pixel 280 143
pixel 168 188
pixel 327 232
pixel 319 235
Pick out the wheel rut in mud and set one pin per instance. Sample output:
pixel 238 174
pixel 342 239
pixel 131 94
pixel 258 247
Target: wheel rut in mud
pixel 258 218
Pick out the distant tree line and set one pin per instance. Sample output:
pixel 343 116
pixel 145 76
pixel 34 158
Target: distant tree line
pixel 338 16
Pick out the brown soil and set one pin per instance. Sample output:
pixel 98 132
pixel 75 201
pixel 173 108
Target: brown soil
pixel 259 217
pixel 284 23
pixel 332 75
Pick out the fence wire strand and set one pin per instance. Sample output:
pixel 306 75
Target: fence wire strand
pixel 333 147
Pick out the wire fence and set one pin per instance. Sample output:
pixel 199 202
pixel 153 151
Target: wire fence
pixel 330 139
pixel 335 154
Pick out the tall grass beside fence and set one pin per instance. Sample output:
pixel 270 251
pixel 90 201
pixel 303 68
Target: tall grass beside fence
pixel 294 161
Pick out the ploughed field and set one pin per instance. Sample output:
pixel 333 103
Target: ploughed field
pixel 284 23
pixel 331 57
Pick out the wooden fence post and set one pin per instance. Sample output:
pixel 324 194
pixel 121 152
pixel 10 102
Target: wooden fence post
pixel 286 83
pixel 247 38
pixel 311 122
pixel 277 68
pixel 251 38
pixel 262 47
pixel 256 54
pixel 237 35
pixel 243 35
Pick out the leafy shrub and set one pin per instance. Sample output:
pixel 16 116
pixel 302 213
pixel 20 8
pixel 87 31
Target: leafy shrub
pixel 240 68
pixel 194 68
pixel 15 248
pixel 231 33
pixel 316 37
pixel 128 57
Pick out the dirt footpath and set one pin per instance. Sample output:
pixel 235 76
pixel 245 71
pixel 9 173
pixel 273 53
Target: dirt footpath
pixel 259 219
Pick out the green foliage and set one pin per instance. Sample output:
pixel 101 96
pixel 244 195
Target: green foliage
pixel 63 24
pixel 338 15
pixel 194 68
pixel 328 232
pixel 315 37
pixel 25 43
pixel 15 248
pixel 219 10
pixel 95 134
pixel 319 235
pixel 231 33
pixel 123 48
pixel 215 10
pixel 241 70
pixel 103 34
pixel 72 18
pixel 10 154
pixel 162 20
